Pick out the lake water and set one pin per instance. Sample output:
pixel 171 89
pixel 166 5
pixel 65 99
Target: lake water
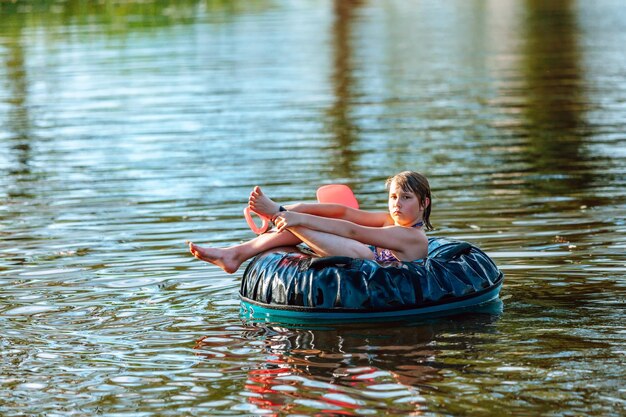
pixel 127 128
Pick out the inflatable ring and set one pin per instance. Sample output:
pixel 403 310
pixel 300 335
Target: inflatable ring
pixel 291 284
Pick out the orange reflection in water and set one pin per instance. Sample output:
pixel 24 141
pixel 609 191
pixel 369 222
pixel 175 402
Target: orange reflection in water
pixel 345 370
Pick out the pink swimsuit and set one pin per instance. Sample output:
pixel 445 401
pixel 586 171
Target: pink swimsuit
pixel 385 255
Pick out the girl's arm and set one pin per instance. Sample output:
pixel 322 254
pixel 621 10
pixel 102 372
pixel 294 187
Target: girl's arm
pixel 399 239
pixel 338 211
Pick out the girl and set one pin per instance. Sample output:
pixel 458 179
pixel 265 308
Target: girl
pixel 333 229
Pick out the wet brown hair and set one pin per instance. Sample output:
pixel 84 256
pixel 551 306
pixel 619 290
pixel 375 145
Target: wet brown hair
pixel 411 181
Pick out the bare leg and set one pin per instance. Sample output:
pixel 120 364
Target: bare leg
pixel 230 259
pixel 324 244
pixel 327 244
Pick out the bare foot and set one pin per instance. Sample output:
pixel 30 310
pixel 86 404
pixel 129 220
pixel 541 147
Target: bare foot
pixel 262 204
pixel 222 257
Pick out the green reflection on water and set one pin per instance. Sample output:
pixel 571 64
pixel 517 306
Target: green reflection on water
pixel 555 109
pixel 341 124
pixel 120 15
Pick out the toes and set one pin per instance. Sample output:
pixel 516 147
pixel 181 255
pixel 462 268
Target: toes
pixel 194 250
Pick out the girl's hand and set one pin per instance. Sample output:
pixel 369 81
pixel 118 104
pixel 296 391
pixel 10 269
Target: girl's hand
pixel 285 220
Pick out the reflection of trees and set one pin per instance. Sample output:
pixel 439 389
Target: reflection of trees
pixel 341 125
pixel 18 120
pixel 554 99
pixel 334 365
pixel 116 14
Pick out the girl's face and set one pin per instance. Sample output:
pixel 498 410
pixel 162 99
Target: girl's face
pixel 404 206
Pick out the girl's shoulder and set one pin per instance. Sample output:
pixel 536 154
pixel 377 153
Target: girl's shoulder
pixel 389 222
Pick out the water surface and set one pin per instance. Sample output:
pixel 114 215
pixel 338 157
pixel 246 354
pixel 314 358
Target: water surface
pixel 126 129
